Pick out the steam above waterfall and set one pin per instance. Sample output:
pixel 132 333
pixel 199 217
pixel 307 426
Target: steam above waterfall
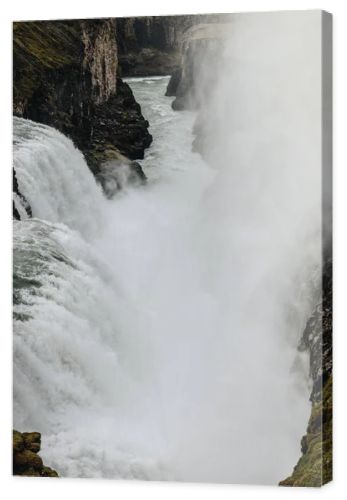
pixel 156 334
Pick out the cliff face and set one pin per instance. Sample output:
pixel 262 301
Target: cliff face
pixel 152 45
pixel 66 76
pixel 100 58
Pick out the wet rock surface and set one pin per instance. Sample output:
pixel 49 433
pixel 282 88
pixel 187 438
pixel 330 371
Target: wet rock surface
pixel 21 199
pixel 118 172
pixel 26 461
pixel 174 83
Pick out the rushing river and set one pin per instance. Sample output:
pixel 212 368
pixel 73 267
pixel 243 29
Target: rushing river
pixel 135 356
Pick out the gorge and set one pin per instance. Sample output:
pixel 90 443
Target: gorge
pixel 161 292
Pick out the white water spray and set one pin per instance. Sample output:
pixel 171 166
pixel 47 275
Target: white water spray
pixel 156 333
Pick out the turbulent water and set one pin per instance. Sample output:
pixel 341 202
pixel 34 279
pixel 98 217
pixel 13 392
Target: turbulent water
pixel 135 356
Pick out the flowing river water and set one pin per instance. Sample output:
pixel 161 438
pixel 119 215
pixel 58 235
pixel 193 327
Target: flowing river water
pixel 133 355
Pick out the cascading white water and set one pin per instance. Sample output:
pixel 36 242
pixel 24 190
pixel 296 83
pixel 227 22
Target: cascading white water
pixel 135 354
pixel 66 197
pixel 86 367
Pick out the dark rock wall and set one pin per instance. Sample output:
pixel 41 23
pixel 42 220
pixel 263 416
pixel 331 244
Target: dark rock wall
pixel 65 74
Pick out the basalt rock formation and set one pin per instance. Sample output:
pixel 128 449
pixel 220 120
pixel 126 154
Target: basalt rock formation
pixel 65 74
pixel 26 461
pixel 314 468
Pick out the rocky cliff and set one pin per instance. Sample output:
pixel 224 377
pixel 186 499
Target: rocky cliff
pixel 65 74
pixel 152 45
pixel 26 461
pixel 314 467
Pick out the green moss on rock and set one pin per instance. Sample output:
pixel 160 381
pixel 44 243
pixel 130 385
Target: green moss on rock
pixel 315 466
pixel 37 47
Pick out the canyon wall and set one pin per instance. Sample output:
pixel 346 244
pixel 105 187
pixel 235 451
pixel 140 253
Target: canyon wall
pixel 152 45
pixel 65 74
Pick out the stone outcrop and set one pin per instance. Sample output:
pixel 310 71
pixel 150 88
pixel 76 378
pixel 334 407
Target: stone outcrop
pixel 119 172
pixel 314 467
pixel 174 83
pixel 26 461
pixel 65 74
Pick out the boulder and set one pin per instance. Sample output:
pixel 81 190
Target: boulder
pixel 26 461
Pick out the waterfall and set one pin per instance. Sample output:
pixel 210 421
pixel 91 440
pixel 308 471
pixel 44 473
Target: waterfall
pixel 53 174
pixel 134 355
